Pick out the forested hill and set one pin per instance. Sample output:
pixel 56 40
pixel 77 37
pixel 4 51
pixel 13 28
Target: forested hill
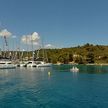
pixel 87 53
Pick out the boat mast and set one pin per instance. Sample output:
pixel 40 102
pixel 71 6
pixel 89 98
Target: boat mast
pixel 42 46
pixel 27 46
pixel 6 46
pixel 45 58
pixel 32 48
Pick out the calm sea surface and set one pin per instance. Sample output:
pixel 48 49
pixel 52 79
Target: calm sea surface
pixel 36 88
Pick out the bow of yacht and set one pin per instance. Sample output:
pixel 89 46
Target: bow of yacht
pixel 43 64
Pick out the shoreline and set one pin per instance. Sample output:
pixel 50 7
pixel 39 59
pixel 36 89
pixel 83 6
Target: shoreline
pixel 100 64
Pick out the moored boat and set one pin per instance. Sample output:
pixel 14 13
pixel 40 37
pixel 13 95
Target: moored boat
pixel 7 64
pixel 31 64
pixel 74 69
pixel 43 64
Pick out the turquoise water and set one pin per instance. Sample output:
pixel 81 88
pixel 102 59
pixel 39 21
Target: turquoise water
pixel 34 88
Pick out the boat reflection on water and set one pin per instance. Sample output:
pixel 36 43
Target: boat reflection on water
pixel 44 68
pixel 4 72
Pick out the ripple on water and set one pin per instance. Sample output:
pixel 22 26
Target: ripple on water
pixel 33 88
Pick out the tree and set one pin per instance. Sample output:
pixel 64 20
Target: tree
pixel 90 57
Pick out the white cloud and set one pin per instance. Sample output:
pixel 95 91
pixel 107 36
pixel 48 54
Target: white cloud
pixel 14 36
pixel 49 46
pixel 5 32
pixel 25 39
pixel 34 38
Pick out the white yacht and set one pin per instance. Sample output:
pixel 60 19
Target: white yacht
pixel 43 64
pixel 42 61
pixel 31 64
pixel 23 63
pixel 6 64
pixel 74 69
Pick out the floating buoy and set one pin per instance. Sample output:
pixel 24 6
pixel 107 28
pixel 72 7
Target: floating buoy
pixel 49 73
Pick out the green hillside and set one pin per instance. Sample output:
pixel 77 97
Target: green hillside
pixel 87 53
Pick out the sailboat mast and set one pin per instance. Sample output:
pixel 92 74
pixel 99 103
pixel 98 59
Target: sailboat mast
pixel 6 46
pixel 42 46
pixel 32 48
pixel 45 58
pixel 27 46
pixel 3 47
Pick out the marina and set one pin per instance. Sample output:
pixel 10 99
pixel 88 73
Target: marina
pixel 53 53
pixel 16 57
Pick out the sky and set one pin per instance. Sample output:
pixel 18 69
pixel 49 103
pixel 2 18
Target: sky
pixel 59 23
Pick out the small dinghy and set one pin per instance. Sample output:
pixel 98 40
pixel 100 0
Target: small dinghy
pixel 74 69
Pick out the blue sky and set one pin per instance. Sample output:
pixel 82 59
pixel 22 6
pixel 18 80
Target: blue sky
pixel 62 23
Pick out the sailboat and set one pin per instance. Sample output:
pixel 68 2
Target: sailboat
pixel 32 62
pixel 6 64
pixel 22 63
pixel 43 64
pixel 5 60
pixel 40 62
